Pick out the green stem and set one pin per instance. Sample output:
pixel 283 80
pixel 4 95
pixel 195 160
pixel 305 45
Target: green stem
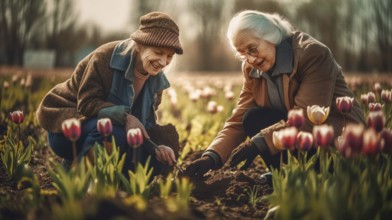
pixel 74 150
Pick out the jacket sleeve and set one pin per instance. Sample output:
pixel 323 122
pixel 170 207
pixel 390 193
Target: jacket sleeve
pixel 233 133
pixel 91 94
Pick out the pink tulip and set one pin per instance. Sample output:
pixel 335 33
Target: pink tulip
pixel 344 104
pixel 296 118
pixel 351 141
pixel 386 95
pixel 323 135
pixel 376 120
pixel 364 99
pixel 371 97
pixel 17 116
pixel 372 143
pixel 375 106
pixel 6 85
pixel 71 129
pixel 286 138
pixel 304 140
pixel 134 137
pixel 377 87
pixel 212 107
pixel 104 126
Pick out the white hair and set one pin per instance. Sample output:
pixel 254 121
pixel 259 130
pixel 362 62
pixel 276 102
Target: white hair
pixel 270 27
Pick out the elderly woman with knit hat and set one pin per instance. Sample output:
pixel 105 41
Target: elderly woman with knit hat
pixel 120 80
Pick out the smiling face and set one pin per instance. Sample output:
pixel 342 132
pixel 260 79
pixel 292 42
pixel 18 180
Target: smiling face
pixel 152 60
pixel 258 52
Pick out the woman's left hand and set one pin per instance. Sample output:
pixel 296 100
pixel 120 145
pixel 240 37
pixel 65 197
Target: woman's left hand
pixel 165 155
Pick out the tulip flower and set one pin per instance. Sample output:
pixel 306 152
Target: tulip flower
pixel 323 135
pixel 364 99
pixel 376 120
pixel 304 140
pixel 296 118
pixel 372 143
pixel 104 126
pixel 377 87
pixel 344 104
pixel 317 115
pixel 134 137
pixel 229 95
pixel 351 141
pixel 386 95
pixel 17 116
pixel 285 138
pixel 194 95
pixel 72 130
pixel 212 107
pixel 373 107
pixel 6 85
pixel 371 97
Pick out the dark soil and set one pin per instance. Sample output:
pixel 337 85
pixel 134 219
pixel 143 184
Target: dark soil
pixel 222 194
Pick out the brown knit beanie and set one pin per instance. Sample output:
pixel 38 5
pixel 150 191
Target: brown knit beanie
pixel 159 30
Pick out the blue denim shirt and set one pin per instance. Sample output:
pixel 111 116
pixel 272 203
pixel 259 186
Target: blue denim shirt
pixel 122 92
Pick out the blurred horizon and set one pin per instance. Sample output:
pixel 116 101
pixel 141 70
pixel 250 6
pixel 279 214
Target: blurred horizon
pixel 70 29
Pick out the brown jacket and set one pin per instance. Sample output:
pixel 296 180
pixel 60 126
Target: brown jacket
pixel 316 79
pixel 84 94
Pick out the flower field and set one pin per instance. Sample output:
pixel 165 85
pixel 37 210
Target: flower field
pixel 353 180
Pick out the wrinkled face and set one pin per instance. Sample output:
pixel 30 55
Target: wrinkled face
pixel 257 52
pixel 153 59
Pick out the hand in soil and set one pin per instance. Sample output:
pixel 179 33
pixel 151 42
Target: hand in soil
pixel 245 151
pixel 165 155
pixel 199 167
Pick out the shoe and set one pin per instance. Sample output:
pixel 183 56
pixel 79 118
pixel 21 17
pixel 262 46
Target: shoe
pixel 267 178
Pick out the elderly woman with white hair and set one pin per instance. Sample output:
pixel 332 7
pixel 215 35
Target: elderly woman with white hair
pixel 283 69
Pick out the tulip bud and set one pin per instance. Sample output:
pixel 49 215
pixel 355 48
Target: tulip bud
pixel 194 95
pixel 304 140
pixel 344 104
pixel 296 118
pixel 375 107
pixel 371 97
pixel 212 107
pixel 17 116
pixel 71 129
pixel 377 87
pixel 364 99
pixel 286 138
pixel 372 143
pixel 6 85
pixel 229 95
pixel 323 135
pixel 104 126
pixel 376 120
pixel 386 95
pixel 317 115
pixel 134 137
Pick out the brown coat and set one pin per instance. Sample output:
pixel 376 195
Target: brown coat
pixel 316 79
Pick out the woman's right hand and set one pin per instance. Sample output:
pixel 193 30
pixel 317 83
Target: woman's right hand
pixel 133 122
pixel 199 167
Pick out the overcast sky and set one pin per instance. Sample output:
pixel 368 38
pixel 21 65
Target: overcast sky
pixel 110 15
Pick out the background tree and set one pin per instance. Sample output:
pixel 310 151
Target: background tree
pixel 20 22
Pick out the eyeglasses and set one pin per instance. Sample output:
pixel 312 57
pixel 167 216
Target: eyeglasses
pixel 253 52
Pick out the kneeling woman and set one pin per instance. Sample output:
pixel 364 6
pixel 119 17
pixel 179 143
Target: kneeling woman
pixel 120 80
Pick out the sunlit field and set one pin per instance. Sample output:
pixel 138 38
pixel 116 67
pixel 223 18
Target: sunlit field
pixel 354 180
